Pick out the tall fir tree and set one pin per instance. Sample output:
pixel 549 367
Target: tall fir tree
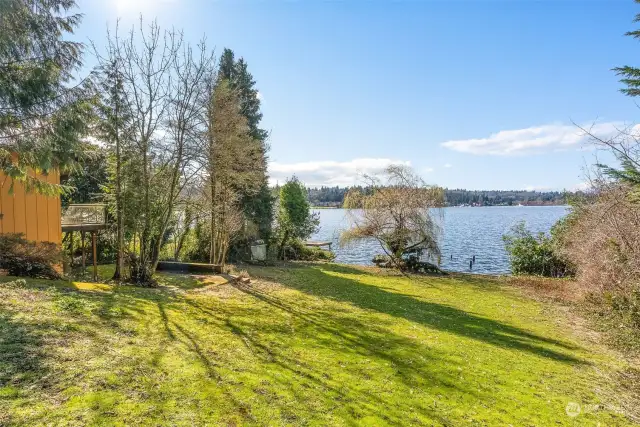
pixel 257 206
pixel 44 109
pixel 630 75
pixel 115 129
pixel 230 148
pixel 226 67
pixel 627 152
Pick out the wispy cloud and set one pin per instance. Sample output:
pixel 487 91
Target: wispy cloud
pixel 448 165
pixel 329 173
pixel 537 139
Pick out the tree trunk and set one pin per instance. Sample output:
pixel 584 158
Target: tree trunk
pixel 117 275
pixel 212 225
pixel 284 241
pixel 144 238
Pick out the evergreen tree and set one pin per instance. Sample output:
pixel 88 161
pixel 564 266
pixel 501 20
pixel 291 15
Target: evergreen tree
pixel 230 147
pixel 87 180
pixel 43 108
pixel 249 99
pixel 295 219
pixel 115 129
pixel 628 152
pixel 257 206
pixel 226 69
pixel 630 75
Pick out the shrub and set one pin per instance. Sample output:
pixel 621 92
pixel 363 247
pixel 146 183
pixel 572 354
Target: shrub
pixel 602 240
pixel 411 263
pixel 534 254
pixel 295 221
pixel 140 273
pixel 382 261
pixel 21 257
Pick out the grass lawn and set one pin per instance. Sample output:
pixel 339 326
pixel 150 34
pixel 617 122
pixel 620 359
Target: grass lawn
pixel 308 345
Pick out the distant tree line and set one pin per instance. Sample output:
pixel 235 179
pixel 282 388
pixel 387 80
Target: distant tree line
pixel 455 197
pixel 334 197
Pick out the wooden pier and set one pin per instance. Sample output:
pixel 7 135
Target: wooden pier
pixel 318 244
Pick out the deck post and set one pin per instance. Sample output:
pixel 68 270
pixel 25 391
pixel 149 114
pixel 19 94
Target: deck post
pixel 84 255
pixel 95 256
pixel 71 249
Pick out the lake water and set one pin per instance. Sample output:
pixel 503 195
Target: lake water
pixel 466 232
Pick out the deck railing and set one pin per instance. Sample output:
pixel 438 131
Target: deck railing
pixel 85 214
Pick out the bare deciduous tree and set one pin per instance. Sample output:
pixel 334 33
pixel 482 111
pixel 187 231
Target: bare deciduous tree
pixel 161 79
pixel 398 213
pixel 601 236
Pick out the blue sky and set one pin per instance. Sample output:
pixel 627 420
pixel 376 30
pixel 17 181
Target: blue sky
pixel 472 94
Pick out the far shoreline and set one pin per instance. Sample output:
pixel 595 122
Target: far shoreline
pixel 462 206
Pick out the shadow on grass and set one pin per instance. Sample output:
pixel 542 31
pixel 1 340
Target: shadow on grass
pixel 314 280
pixel 340 337
pixel 336 333
pixel 21 359
pixel 182 281
pixel 20 349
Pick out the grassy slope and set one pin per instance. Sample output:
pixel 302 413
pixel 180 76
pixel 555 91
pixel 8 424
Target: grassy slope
pixel 324 345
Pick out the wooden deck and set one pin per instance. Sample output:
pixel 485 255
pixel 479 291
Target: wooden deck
pixel 318 244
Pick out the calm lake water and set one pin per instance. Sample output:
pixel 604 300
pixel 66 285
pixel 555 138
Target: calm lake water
pixel 466 232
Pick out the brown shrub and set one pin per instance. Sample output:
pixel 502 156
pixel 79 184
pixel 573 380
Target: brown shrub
pixel 602 239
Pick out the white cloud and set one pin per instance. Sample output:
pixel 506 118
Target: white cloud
pixel 537 188
pixel 582 186
pixel 427 170
pixel 329 173
pixel 552 137
pixel 259 96
pixel 448 165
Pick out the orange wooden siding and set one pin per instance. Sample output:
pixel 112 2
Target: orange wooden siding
pixel 34 215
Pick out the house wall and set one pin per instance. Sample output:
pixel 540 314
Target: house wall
pixel 38 217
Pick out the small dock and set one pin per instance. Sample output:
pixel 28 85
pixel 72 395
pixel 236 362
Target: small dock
pixel 318 244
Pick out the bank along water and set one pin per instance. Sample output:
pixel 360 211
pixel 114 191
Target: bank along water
pixel 466 231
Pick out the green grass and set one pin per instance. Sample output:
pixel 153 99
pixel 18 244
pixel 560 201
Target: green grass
pixel 308 345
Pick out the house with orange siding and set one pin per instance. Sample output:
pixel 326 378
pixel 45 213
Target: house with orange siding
pixel 37 216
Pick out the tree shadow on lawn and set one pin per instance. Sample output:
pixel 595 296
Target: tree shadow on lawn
pixel 342 338
pixel 477 281
pixel 316 281
pixel 332 330
pixel 29 347
pixel 189 281
pixel 21 358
